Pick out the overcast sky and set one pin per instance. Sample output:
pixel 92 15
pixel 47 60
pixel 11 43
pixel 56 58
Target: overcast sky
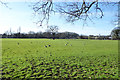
pixel 21 15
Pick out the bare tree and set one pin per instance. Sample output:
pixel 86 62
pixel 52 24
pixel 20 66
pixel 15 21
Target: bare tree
pixel 53 29
pixel 73 10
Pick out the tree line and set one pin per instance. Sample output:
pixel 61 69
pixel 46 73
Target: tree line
pixel 49 35
pixel 52 32
pixel 53 35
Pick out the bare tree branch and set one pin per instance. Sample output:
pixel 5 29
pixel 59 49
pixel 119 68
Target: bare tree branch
pixel 45 8
pixel 5 4
pixel 74 11
pixel 77 12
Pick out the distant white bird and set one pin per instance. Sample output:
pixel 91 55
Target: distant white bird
pixel 66 43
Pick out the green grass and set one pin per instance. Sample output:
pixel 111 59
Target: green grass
pixel 29 58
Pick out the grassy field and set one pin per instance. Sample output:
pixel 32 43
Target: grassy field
pixel 60 58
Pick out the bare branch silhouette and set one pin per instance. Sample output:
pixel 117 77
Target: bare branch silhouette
pixel 45 8
pixel 4 3
pixel 73 10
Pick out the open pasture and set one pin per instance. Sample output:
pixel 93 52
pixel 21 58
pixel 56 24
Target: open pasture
pixel 60 58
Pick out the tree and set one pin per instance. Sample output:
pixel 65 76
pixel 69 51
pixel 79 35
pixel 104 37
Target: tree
pixel 31 34
pixel 53 29
pixel 39 34
pixel 115 34
pixel 69 35
pixel 73 10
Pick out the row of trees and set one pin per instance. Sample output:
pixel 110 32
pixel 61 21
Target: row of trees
pixel 52 32
pixel 115 35
pixel 31 34
pixel 52 35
